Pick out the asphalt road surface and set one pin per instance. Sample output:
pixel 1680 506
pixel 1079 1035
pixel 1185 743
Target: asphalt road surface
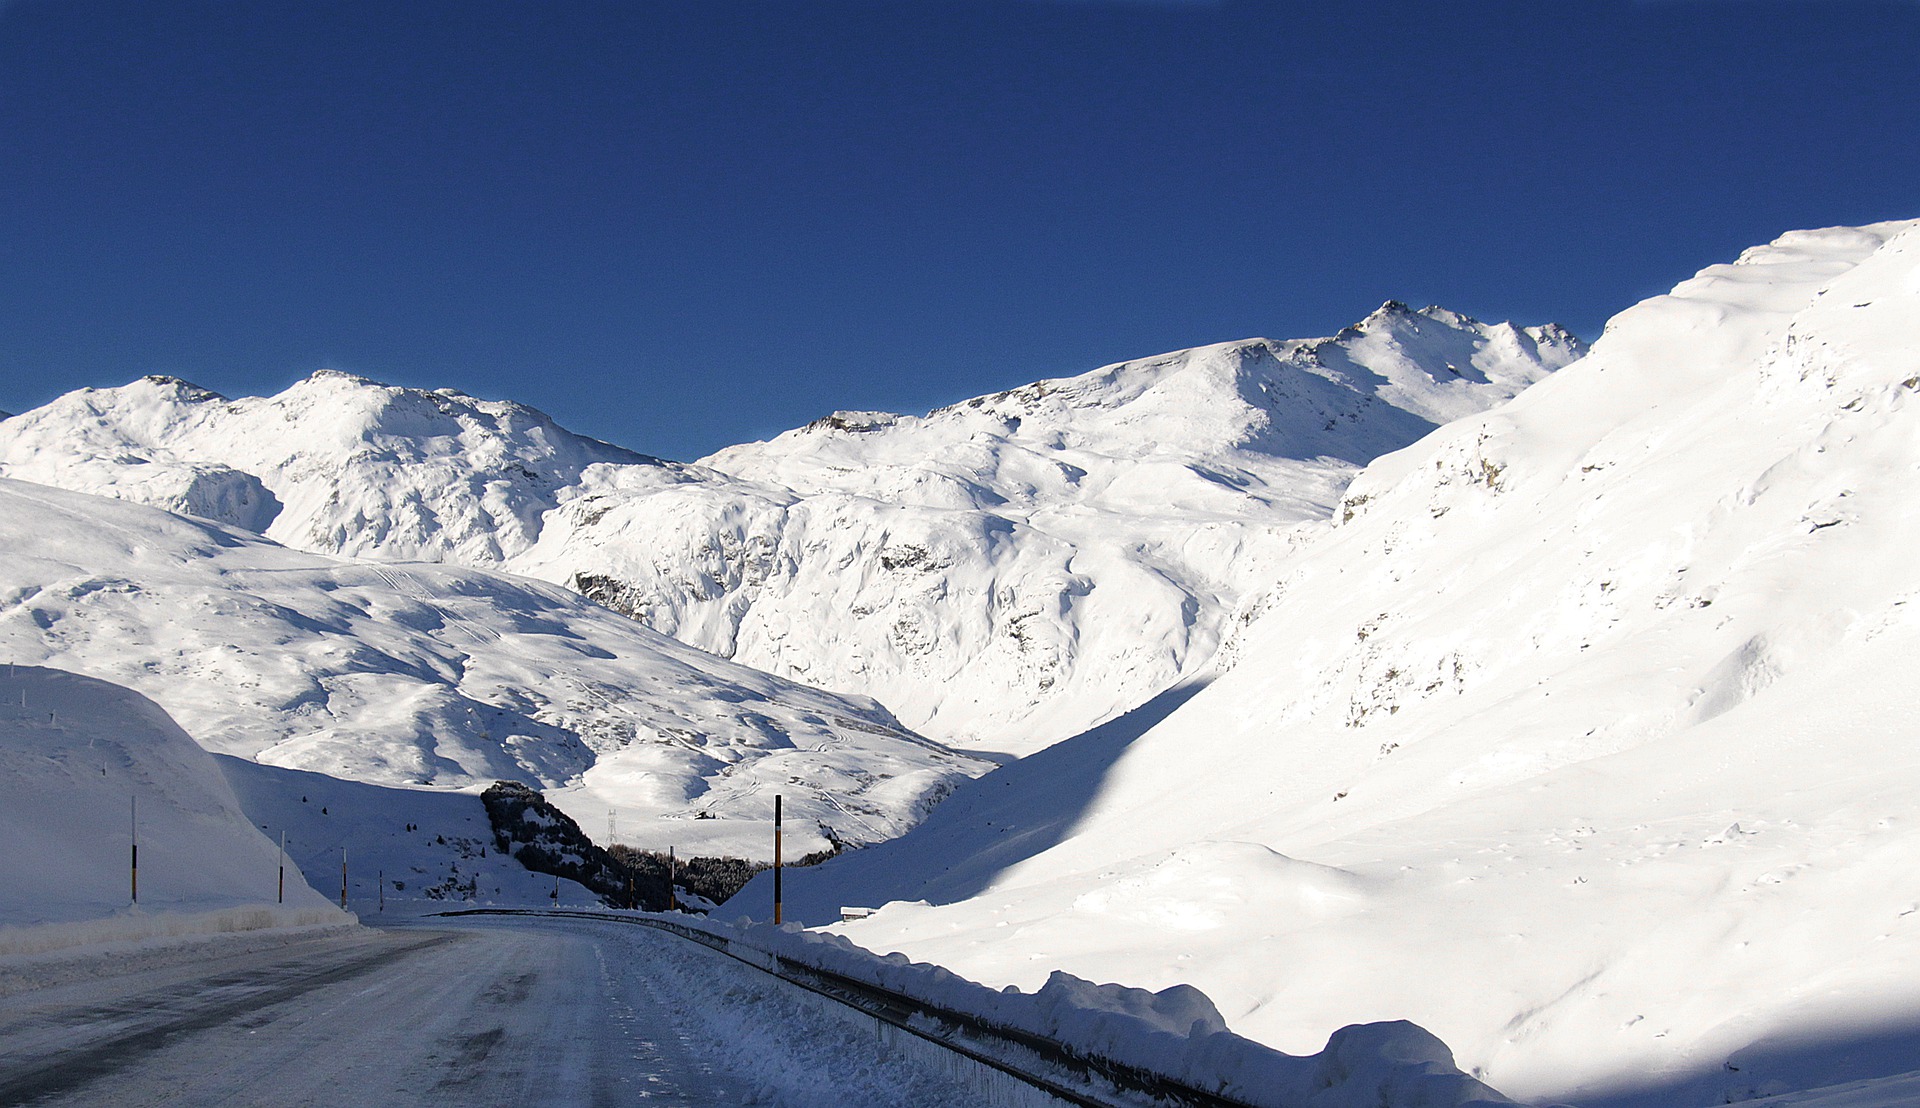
pixel 494 1012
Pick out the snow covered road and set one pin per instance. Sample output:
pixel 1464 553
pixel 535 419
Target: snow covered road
pixel 500 1011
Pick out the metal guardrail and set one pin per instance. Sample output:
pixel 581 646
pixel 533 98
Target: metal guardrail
pixel 1094 1081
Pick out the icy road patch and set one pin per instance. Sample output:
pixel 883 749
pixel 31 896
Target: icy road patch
pixel 472 1012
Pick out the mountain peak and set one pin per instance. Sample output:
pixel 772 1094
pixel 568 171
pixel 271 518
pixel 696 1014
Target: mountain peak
pixel 185 389
pixel 344 377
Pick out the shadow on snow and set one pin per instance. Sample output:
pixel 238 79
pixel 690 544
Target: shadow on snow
pixel 989 824
pixel 1817 1063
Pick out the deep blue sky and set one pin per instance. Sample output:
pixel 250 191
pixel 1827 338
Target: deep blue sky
pixel 680 225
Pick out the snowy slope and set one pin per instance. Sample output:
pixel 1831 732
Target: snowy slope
pixel 1010 570
pixel 435 676
pixel 83 765
pixel 1583 739
pixel 1003 572
pixel 433 850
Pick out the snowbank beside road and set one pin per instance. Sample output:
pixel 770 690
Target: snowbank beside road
pixel 1176 1033
pixel 130 927
pixel 86 768
pixel 59 953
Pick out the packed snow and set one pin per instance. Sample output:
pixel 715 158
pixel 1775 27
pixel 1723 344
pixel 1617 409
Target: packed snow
pixel 1579 737
pixel 1001 573
pixel 433 676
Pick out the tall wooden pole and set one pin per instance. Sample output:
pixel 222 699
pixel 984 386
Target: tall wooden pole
pixel 343 879
pixel 133 845
pixel 673 901
pixel 282 897
pixel 776 859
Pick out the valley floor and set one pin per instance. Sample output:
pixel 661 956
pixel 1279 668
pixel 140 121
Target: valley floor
pixel 493 1012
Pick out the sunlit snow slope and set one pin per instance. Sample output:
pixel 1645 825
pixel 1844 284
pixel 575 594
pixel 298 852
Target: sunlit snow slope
pixel 1003 572
pixel 430 675
pixel 1013 569
pixel 84 767
pixel 1584 737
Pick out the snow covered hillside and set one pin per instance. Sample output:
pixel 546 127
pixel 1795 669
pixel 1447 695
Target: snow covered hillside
pixel 83 765
pixel 433 850
pixel 1583 737
pixel 427 675
pixel 1010 570
pixel 1003 572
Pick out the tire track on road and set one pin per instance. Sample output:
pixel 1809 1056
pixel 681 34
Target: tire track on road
pixel 174 1013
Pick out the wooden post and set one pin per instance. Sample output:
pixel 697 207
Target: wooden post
pixel 382 879
pixel 282 897
pixel 133 844
pixel 343 879
pixel 673 902
pixel 776 859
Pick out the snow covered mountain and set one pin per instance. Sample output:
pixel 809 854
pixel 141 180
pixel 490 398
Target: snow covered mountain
pixel 1582 736
pixel 335 465
pixel 1003 572
pixel 428 675
pixel 1011 570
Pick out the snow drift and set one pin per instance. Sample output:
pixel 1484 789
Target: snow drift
pixel 1175 1033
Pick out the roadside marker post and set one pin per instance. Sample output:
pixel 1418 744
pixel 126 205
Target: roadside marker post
pixel 776 859
pixel 133 844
